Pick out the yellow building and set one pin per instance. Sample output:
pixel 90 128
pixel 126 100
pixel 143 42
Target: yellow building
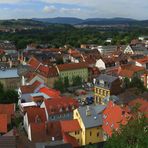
pixel 90 121
pixel 106 85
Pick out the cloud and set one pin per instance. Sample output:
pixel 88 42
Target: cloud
pixel 50 9
pixel 72 10
pixel 9 1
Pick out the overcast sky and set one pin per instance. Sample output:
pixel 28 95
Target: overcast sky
pixel 137 9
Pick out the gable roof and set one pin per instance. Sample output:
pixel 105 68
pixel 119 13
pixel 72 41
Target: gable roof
pixel 47 71
pixel 33 62
pixel 8 109
pixel 38 132
pixel 143 60
pixel 113 116
pixel 42 132
pixel 3 123
pixel 36 114
pixel 93 120
pixel 60 105
pixel 50 92
pixel 70 125
pixel 72 66
pixel 143 105
pixel 30 88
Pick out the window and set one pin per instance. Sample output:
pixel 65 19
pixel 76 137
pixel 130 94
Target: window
pixel 98 134
pixel 90 133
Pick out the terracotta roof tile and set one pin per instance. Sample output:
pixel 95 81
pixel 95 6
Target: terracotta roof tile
pixel 8 109
pixel 69 139
pixel 113 116
pixel 50 92
pixel 30 88
pixel 143 105
pixel 70 126
pixel 36 114
pixel 3 123
pixel 55 105
pixel 34 63
pixel 71 66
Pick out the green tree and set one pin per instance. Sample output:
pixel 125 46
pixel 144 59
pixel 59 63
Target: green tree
pixel 59 85
pixel 133 135
pixel 77 81
pixel 126 83
pixel 136 82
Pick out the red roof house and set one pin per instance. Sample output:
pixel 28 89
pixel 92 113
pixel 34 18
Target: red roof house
pixel 113 117
pixel 8 109
pixel 3 123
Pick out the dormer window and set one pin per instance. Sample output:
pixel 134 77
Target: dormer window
pixel 104 116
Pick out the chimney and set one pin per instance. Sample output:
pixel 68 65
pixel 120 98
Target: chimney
pixel 88 112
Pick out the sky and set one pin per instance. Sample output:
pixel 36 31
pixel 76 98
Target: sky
pixel 14 9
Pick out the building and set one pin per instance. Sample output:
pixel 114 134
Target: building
pixel 59 108
pixel 71 132
pixel 106 85
pixel 34 115
pixel 143 62
pixel 73 70
pixel 90 121
pixel 9 78
pixel 136 49
pixel 113 117
pixel 144 78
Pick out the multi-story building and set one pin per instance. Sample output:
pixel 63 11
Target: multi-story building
pixel 106 85
pixel 73 70
pixel 90 121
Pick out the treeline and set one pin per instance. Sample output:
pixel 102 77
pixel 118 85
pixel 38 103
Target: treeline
pixel 59 35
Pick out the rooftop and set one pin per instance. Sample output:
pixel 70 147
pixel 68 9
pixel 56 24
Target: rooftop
pixel 8 73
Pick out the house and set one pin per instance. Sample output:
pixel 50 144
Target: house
pixel 72 70
pixel 113 117
pixel 25 91
pixel 34 115
pixel 136 49
pixel 90 121
pixel 9 78
pixel 44 132
pixel 8 110
pixel 3 123
pixel 100 64
pixel 127 71
pixel 106 85
pixel 71 132
pixel 48 73
pixel 143 62
pixel 141 104
pixel 144 78
pixel 59 108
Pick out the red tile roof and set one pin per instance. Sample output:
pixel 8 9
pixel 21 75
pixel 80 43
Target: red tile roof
pixel 8 109
pixel 113 116
pixel 33 62
pixel 47 71
pixel 55 105
pixel 43 132
pixel 143 60
pixel 38 132
pixel 69 139
pixel 30 88
pixel 143 105
pixel 70 126
pixel 3 123
pixel 36 114
pixel 71 66
pixel 50 92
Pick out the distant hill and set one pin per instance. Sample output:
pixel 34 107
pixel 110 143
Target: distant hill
pixel 60 20
pixel 92 21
